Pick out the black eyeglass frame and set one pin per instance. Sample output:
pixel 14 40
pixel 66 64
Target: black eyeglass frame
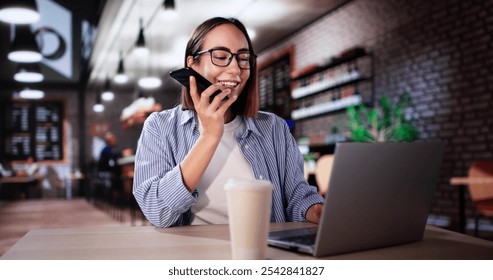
pixel 252 60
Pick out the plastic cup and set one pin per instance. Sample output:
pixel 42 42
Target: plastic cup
pixel 249 210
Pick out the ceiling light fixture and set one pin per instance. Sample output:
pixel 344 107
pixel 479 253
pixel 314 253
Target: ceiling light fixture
pixel 29 73
pixel 98 107
pixel 19 12
pixel 149 82
pixel 169 4
pixel 107 94
pixel 251 33
pixel 140 45
pixel 24 48
pixel 31 93
pixel 120 77
pixel 169 9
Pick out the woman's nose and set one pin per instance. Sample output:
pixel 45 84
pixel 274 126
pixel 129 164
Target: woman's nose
pixel 233 67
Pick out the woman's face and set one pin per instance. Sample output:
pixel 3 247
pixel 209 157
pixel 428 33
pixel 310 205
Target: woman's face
pixel 229 37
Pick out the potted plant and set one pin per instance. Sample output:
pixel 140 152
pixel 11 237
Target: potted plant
pixel 385 122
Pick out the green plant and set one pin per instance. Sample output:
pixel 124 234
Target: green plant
pixel 385 122
pixel 309 156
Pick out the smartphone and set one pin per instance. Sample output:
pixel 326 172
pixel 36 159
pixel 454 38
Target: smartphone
pixel 183 77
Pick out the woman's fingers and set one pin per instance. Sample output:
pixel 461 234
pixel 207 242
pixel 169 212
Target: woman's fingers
pixel 226 104
pixel 193 91
pixel 202 101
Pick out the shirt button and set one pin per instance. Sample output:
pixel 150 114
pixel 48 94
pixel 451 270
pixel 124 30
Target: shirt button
pixel 261 177
pixel 247 146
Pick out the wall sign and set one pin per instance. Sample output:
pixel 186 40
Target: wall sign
pixel 32 129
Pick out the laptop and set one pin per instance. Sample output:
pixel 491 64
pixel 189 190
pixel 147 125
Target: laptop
pixel 379 195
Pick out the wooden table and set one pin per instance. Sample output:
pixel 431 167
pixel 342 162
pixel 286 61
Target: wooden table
pixel 18 180
pixel 462 183
pixel 18 183
pixel 212 242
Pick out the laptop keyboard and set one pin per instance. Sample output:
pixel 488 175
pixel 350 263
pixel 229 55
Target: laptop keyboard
pixel 303 239
pixel 305 236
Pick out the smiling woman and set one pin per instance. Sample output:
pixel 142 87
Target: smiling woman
pixel 186 154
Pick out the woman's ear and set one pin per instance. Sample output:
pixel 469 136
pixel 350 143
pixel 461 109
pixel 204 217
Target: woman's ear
pixel 189 61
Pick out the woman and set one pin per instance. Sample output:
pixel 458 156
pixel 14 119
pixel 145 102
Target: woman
pixel 185 155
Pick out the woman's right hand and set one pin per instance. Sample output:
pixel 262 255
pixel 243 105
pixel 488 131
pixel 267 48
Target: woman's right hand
pixel 212 115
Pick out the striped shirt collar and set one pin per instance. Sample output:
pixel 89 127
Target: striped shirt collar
pixel 188 116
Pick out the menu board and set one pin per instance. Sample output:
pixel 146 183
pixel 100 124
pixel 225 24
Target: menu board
pixel 275 86
pixel 32 129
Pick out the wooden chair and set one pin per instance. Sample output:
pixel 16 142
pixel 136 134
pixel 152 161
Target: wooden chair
pixel 322 173
pixel 481 190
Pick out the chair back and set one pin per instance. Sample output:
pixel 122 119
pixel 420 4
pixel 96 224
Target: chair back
pixel 481 169
pixel 323 171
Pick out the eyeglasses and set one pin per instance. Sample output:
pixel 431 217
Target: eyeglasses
pixel 222 58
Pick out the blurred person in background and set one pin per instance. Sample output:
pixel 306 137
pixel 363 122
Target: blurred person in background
pixel 109 155
pixel 6 169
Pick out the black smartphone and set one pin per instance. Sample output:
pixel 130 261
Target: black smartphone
pixel 183 77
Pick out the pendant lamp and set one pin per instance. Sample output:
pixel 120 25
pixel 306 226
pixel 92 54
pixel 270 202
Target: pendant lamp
pixel 169 9
pixel 28 93
pixel 28 73
pixel 19 12
pixel 149 82
pixel 24 48
pixel 120 77
pixel 140 45
pixel 98 107
pixel 169 4
pixel 107 94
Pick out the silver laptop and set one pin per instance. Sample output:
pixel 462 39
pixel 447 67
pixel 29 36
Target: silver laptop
pixel 379 195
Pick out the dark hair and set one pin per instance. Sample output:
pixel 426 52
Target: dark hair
pixel 247 103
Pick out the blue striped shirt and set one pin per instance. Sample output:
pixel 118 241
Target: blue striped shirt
pixel 168 136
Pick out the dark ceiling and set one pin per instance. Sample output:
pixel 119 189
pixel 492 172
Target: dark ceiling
pixel 91 55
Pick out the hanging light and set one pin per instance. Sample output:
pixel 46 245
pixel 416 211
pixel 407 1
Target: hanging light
pixel 120 77
pixel 140 45
pixel 169 9
pixel 98 107
pixel 251 33
pixel 19 12
pixel 169 4
pixel 28 93
pixel 29 73
pixel 107 94
pixel 24 48
pixel 149 82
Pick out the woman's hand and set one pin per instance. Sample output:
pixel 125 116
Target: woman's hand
pixel 212 115
pixel 313 213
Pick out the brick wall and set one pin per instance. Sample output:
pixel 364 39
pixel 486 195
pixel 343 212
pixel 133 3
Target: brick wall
pixel 440 52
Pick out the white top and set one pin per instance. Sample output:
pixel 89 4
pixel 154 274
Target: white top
pixel 5 172
pixel 228 162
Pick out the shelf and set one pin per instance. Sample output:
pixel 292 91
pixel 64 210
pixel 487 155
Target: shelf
pixel 335 62
pixel 324 85
pixel 325 107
